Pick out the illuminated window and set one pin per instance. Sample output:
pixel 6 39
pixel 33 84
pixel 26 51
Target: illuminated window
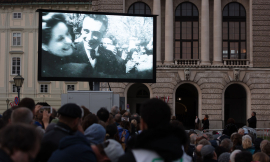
pixel 16 66
pixel 186 32
pixel 234 31
pixel 14 88
pixel 139 8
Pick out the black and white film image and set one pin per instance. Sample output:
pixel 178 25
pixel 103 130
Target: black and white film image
pixel 96 46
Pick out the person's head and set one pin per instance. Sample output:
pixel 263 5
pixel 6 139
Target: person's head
pixel 106 41
pixel 246 141
pixel 244 156
pixel 117 118
pixel 204 142
pixel 237 140
pixel 85 112
pixel 89 120
pixel 122 112
pixel 125 122
pixel 103 114
pixel 266 148
pixel 22 115
pixel 263 143
pixel 261 157
pixel 227 144
pixel 7 116
pixel 115 110
pixel 28 103
pixel 209 136
pixel 154 113
pixel 232 156
pixel 70 114
pixel 134 122
pixel 230 121
pixel 112 132
pixel 56 37
pixel 95 134
pixel 253 113
pixel 110 150
pixel 241 131
pixel 39 114
pixel 206 116
pixel 21 142
pixel 224 157
pixel 198 150
pixel 219 150
pixel 198 139
pixel 208 152
pixel 193 138
pixel 93 28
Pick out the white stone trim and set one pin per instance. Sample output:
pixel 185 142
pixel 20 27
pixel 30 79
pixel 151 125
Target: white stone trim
pixel 248 99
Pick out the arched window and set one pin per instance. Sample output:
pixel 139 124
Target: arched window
pixel 186 31
pixel 234 31
pixel 139 8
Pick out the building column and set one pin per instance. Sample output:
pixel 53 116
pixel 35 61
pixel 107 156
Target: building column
pixel 157 11
pixel 217 33
pixel 169 32
pixel 205 33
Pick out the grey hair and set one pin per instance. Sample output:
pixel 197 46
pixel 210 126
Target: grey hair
pixel 226 143
pixel 115 110
pixel 204 142
pixel 241 130
pixel 232 156
pixel 245 137
pixel 22 115
pixel 210 136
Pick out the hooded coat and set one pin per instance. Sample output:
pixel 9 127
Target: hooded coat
pixel 164 144
pixel 74 148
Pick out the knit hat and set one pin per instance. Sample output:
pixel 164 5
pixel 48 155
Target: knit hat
pixel 114 150
pixel 70 110
pixel 95 134
pixel 224 157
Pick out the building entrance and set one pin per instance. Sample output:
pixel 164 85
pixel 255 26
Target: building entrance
pixel 137 94
pixel 235 104
pixel 186 105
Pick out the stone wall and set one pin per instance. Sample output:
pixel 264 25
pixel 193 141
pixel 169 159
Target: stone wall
pixel 261 37
pixel 115 6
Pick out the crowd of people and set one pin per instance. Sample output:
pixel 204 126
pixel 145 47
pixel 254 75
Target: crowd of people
pixel 30 132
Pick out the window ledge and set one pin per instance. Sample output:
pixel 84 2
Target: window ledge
pixel 16 52
pixel 16 46
pixel 44 82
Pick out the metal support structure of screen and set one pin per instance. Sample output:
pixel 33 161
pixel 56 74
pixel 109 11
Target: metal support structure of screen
pixel 95 46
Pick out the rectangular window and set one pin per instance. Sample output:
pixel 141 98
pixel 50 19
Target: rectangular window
pixel 70 87
pixel 225 50
pixel 195 50
pixel 44 88
pixel 14 88
pixel 16 39
pixel 177 30
pixel 16 66
pixel 177 50
pixel 17 15
pixel 186 50
pixel 243 50
pixel 234 50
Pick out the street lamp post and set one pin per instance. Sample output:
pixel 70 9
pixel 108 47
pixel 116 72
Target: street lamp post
pixel 7 101
pixel 18 80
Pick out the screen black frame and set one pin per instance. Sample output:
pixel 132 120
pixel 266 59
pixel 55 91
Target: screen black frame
pixel 40 78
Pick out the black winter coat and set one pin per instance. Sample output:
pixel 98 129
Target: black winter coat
pixel 252 122
pixel 51 139
pixel 205 124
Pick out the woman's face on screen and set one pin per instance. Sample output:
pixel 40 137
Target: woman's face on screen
pixel 60 43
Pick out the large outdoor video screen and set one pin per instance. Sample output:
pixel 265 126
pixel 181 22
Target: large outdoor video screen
pixel 93 46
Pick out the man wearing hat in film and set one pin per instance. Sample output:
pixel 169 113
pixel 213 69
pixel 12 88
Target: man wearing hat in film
pixel 69 123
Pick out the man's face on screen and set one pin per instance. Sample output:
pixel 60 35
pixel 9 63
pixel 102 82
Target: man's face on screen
pixel 92 32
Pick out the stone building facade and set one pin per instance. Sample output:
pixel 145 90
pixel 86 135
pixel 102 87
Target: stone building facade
pixel 211 83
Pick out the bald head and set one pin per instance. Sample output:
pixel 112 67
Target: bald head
pixel 22 115
pixel 117 118
pixel 199 148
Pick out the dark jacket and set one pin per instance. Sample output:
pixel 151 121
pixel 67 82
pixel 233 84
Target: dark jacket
pixel 4 157
pixel 120 131
pixel 51 139
pixel 231 129
pixel 166 141
pixel 106 63
pixel 252 122
pixel 205 124
pixel 74 148
pixel 209 160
